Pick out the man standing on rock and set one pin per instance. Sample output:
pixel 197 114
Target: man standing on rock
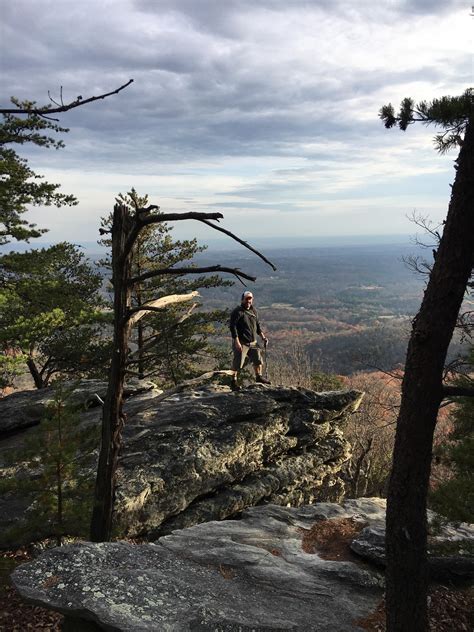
pixel 244 327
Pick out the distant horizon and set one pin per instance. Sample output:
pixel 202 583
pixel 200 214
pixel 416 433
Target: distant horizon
pixel 226 243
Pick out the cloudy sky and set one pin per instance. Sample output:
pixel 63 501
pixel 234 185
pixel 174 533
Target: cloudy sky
pixel 266 110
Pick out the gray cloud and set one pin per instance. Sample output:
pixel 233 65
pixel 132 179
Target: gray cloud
pixel 438 7
pixel 212 80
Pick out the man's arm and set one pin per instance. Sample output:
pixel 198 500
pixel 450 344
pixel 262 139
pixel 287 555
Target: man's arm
pixel 234 319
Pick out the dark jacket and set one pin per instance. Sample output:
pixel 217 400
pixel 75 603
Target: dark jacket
pixel 244 324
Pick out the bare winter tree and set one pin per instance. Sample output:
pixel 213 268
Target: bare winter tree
pixel 371 431
pixel 422 387
pixel 126 227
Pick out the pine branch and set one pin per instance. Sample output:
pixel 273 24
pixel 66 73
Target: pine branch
pixel 64 107
pixel 152 340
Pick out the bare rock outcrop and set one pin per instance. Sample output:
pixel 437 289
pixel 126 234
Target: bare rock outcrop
pixel 277 568
pixel 248 574
pixel 210 453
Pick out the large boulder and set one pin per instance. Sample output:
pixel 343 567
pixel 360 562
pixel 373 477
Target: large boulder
pixel 210 453
pixel 249 574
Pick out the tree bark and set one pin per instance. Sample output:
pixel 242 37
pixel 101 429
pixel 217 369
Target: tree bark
pixel 422 392
pixel 141 353
pixel 35 374
pixel 112 416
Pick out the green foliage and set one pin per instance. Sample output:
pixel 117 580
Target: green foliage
pixel 171 344
pixel 50 311
pixel 59 471
pixel 10 367
pixel 450 113
pixel 326 382
pixel 20 186
pixel 454 498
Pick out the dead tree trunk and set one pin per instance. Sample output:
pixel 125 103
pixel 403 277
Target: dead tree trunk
pixel 112 415
pixel 422 392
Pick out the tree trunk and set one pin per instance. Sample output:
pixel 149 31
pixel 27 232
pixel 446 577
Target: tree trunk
pixel 407 574
pixel 59 480
pixel 141 353
pixel 112 416
pixel 35 374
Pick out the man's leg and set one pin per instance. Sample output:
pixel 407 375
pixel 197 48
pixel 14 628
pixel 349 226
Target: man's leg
pixel 257 363
pixel 237 363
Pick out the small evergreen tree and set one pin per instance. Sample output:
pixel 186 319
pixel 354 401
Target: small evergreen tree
pixel 11 365
pixel 59 477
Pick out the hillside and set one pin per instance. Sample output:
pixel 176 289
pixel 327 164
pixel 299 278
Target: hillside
pixel 349 307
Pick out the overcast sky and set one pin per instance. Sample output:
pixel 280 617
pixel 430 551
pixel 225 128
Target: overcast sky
pixel 266 110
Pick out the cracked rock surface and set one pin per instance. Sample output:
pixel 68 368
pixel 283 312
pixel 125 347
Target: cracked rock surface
pixel 248 574
pixel 203 455
pixel 209 454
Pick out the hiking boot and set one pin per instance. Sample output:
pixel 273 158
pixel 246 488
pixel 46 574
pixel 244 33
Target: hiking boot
pixel 234 386
pixel 262 380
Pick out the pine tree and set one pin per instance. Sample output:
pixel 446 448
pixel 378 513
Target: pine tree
pixel 51 312
pixel 20 186
pixel 127 225
pixel 170 345
pixel 422 387
pixel 59 480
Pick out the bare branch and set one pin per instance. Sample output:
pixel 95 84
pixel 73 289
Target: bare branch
pixel 158 304
pixel 465 323
pixel 178 271
pixel 457 391
pixel 458 367
pixel 240 241
pixel 141 221
pixel 428 227
pixel 397 374
pixel 64 107
pixel 417 264
pixel 173 217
